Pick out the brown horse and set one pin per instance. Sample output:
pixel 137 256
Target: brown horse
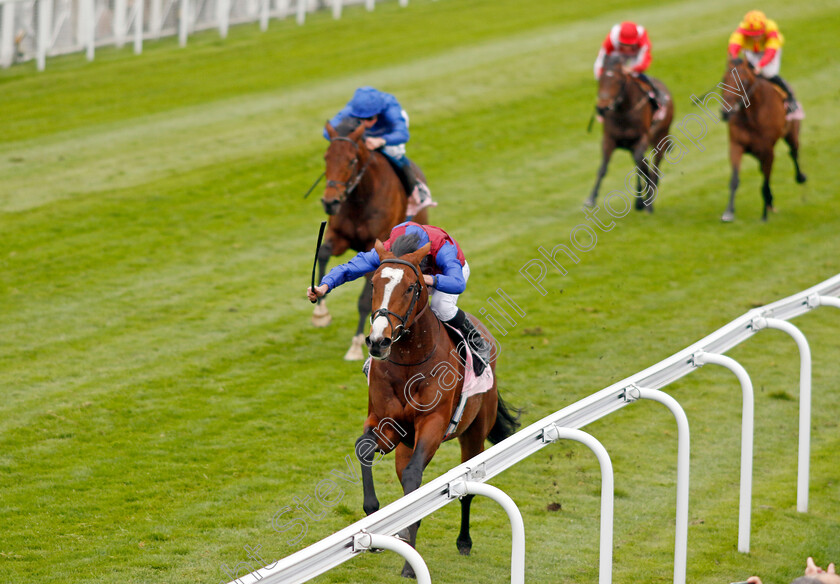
pixel 755 127
pixel 624 103
pixel 415 383
pixel 365 199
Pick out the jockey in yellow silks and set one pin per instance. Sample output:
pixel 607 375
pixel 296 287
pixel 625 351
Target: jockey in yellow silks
pixel 761 41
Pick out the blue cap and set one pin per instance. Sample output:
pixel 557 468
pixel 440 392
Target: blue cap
pixel 366 103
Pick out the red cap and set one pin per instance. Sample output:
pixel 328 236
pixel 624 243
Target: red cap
pixel 629 33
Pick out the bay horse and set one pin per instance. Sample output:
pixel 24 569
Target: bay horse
pixel 625 106
pixel 756 128
pixel 415 382
pixel 365 199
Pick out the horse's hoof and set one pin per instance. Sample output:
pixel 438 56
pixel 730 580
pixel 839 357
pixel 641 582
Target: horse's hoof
pixel 321 317
pixel 354 353
pixel 728 217
pixel 649 209
pixel 408 572
pixel 639 205
pixel 464 546
pixel 589 202
pixel 801 178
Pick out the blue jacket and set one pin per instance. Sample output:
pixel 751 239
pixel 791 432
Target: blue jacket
pixel 449 274
pixel 390 124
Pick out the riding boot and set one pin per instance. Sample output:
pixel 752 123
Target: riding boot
pixel 411 179
pixel 790 101
pixel 479 347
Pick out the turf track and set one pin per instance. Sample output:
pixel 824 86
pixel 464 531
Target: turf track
pixel 164 396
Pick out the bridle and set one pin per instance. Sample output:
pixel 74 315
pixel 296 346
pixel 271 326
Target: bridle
pixel 618 99
pixel 350 185
pixel 750 89
pixel 416 288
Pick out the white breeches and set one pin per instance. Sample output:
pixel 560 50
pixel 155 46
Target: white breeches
pixel 445 306
pixel 771 69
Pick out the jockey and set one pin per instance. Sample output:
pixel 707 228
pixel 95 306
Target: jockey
pixel 447 277
pixel 761 41
pixel 387 129
pixel 631 42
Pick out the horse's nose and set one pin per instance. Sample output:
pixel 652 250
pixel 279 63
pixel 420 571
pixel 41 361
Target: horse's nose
pixel 378 348
pixel 330 207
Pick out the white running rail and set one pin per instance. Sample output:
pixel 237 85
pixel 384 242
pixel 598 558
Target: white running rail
pixel 343 545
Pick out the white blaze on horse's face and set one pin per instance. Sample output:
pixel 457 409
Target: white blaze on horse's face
pixel 380 323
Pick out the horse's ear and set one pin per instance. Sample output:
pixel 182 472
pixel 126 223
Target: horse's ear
pixel 330 130
pixel 416 257
pixel 356 134
pixel 380 249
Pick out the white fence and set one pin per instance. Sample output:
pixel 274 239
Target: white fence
pixel 377 530
pixel 37 29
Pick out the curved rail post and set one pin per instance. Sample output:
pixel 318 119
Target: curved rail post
pixel 366 541
pixel 461 488
pixel 683 444
pixel 553 433
pixel 804 404
pixel 816 300
pixel 747 430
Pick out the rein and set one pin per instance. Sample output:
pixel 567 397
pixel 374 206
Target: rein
pixel 350 186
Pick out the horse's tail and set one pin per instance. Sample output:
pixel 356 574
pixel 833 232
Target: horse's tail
pixel 507 421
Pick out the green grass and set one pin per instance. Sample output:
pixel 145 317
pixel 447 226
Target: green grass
pixel 163 394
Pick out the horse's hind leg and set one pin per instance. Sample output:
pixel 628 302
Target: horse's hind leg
pixel 354 353
pixel 321 316
pixel 608 147
pixel 766 168
pixel 792 138
pixel 736 152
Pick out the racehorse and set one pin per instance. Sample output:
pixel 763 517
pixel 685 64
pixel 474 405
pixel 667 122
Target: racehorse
pixel 756 128
pixel 625 106
pixel 415 382
pixel 365 199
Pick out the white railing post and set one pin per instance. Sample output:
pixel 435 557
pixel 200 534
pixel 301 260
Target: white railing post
pixel 223 16
pixel 370 4
pixel 156 18
pixel 90 28
pixel 7 34
pixel 803 470
pixel 747 431
pixel 183 22
pixel 517 553
pixel 44 32
pixel 366 541
pixel 138 26
pixel 403 3
pixel 683 447
pixel 554 433
pixel 301 11
pixel 119 22
pixel 336 9
pixel 264 10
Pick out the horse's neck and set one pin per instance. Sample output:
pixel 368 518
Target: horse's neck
pixel 633 92
pixel 366 189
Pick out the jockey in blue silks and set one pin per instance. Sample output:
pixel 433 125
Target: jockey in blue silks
pixel 447 278
pixel 387 129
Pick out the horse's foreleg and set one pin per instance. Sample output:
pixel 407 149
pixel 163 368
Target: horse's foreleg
pixel 354 353
pixel 736 151
pixel 767 195
pixel 321 316
pixel 608 147
pixel 792 138
pixel 365 452
pixel 646 195
pixel 410 466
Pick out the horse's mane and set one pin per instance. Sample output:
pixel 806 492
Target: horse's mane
pixel 405 244
pixel 611 61
pixel 346 126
